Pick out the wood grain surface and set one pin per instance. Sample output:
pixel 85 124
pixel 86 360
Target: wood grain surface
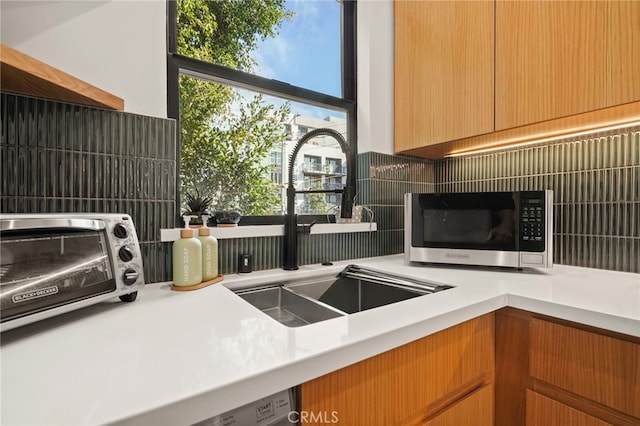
pixel 443 71
pixel 415 381
pixel 26 75
pixel 543 411
pixel 600 368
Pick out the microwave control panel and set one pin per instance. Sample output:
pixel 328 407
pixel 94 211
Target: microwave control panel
pixel 532 221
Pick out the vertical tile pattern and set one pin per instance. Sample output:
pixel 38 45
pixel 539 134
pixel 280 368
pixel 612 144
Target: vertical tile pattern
pixel 58 157
pixel 595 181
pixel 382 180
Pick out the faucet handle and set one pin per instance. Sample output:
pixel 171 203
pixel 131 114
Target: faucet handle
pixel 346 204
pixel 304 228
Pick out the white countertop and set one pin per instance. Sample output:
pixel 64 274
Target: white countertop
pixel 175 358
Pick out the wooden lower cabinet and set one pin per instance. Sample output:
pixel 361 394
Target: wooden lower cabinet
pixel 447 375
pixel 554 372
pixel 600 368
pixel 476 409
pixel 509 368
pixel 543 411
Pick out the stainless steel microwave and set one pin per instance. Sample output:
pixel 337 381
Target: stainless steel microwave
pixel 55 263
pixel 510 229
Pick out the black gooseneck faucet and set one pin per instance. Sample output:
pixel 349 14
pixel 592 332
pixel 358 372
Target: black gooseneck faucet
pixel 291 227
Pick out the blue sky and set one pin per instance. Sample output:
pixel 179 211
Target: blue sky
pixel 306 53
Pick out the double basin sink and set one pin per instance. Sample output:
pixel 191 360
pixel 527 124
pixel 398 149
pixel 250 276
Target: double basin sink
pixel 355 289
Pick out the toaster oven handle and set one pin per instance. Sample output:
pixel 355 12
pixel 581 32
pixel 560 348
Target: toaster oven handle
pixel 43 223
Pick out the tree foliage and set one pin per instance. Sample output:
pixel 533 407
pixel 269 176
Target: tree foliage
pixel 225 138
pixel 317 203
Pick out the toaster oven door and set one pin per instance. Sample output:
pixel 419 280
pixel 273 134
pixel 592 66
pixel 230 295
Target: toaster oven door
pixel 46 268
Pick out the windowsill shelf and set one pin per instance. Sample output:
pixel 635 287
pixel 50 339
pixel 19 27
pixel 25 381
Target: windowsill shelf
pixel 167 235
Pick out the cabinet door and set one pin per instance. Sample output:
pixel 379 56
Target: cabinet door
pixel 551 60
pixel 624 52
pixel 543 411
pixel 407 384
pixel 597 367
pixel 443 71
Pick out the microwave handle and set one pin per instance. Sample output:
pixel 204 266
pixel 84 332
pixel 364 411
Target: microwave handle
pixel 43 223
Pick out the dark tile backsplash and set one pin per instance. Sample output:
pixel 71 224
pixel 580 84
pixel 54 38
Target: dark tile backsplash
pixel 596 188
pixel 58 157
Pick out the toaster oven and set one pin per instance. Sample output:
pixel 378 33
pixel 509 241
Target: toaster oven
pixel 55 263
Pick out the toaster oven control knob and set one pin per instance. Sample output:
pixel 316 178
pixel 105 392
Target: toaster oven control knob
pixel 120 231
pixel 125 254
pixel 130 276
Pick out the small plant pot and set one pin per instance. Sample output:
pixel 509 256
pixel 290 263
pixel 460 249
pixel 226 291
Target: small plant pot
pixel 227 217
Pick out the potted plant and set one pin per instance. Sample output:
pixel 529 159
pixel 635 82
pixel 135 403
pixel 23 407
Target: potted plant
pixel 196 205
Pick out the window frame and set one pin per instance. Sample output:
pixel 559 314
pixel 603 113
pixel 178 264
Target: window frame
pixel 179 64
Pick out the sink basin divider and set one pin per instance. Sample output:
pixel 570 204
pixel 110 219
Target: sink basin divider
pixel 316 301
pixel 366 274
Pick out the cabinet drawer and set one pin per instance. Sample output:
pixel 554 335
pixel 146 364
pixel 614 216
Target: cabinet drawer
pixel 543 411
pixel 598 367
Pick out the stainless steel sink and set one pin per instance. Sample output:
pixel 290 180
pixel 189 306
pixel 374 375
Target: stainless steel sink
pixel 287 307
pixel 355 289
pixel 353 295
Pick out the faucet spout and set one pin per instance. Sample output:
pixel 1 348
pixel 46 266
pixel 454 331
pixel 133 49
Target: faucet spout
pixel 291 231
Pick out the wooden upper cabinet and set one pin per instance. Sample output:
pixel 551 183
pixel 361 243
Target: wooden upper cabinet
pixel 551 60
pixel 444 71
pixel 560 58
pixel 546 68
pixel 623 76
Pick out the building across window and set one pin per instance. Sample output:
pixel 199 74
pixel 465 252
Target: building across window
pixel 320 165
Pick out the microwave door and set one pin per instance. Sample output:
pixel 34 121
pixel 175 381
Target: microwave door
pixel 48 269
pixel 457 226
pixel 466 221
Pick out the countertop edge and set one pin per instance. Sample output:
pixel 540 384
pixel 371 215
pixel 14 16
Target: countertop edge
pixel 253 388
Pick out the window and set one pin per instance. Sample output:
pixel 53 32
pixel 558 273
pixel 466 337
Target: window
pixel 302 130
pixel 334 166
pixel 276 157
pixel 243 87
pixel 312 164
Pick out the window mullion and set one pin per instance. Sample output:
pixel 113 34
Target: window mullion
pixel 221 74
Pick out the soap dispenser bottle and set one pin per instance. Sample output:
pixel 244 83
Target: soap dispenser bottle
pixel 187 259
pixel 209 252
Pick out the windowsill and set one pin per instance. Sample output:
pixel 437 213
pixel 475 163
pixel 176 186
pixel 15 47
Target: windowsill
pixel 167 235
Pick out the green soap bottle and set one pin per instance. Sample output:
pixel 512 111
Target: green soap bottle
pixel 209 254
pixel 187 259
